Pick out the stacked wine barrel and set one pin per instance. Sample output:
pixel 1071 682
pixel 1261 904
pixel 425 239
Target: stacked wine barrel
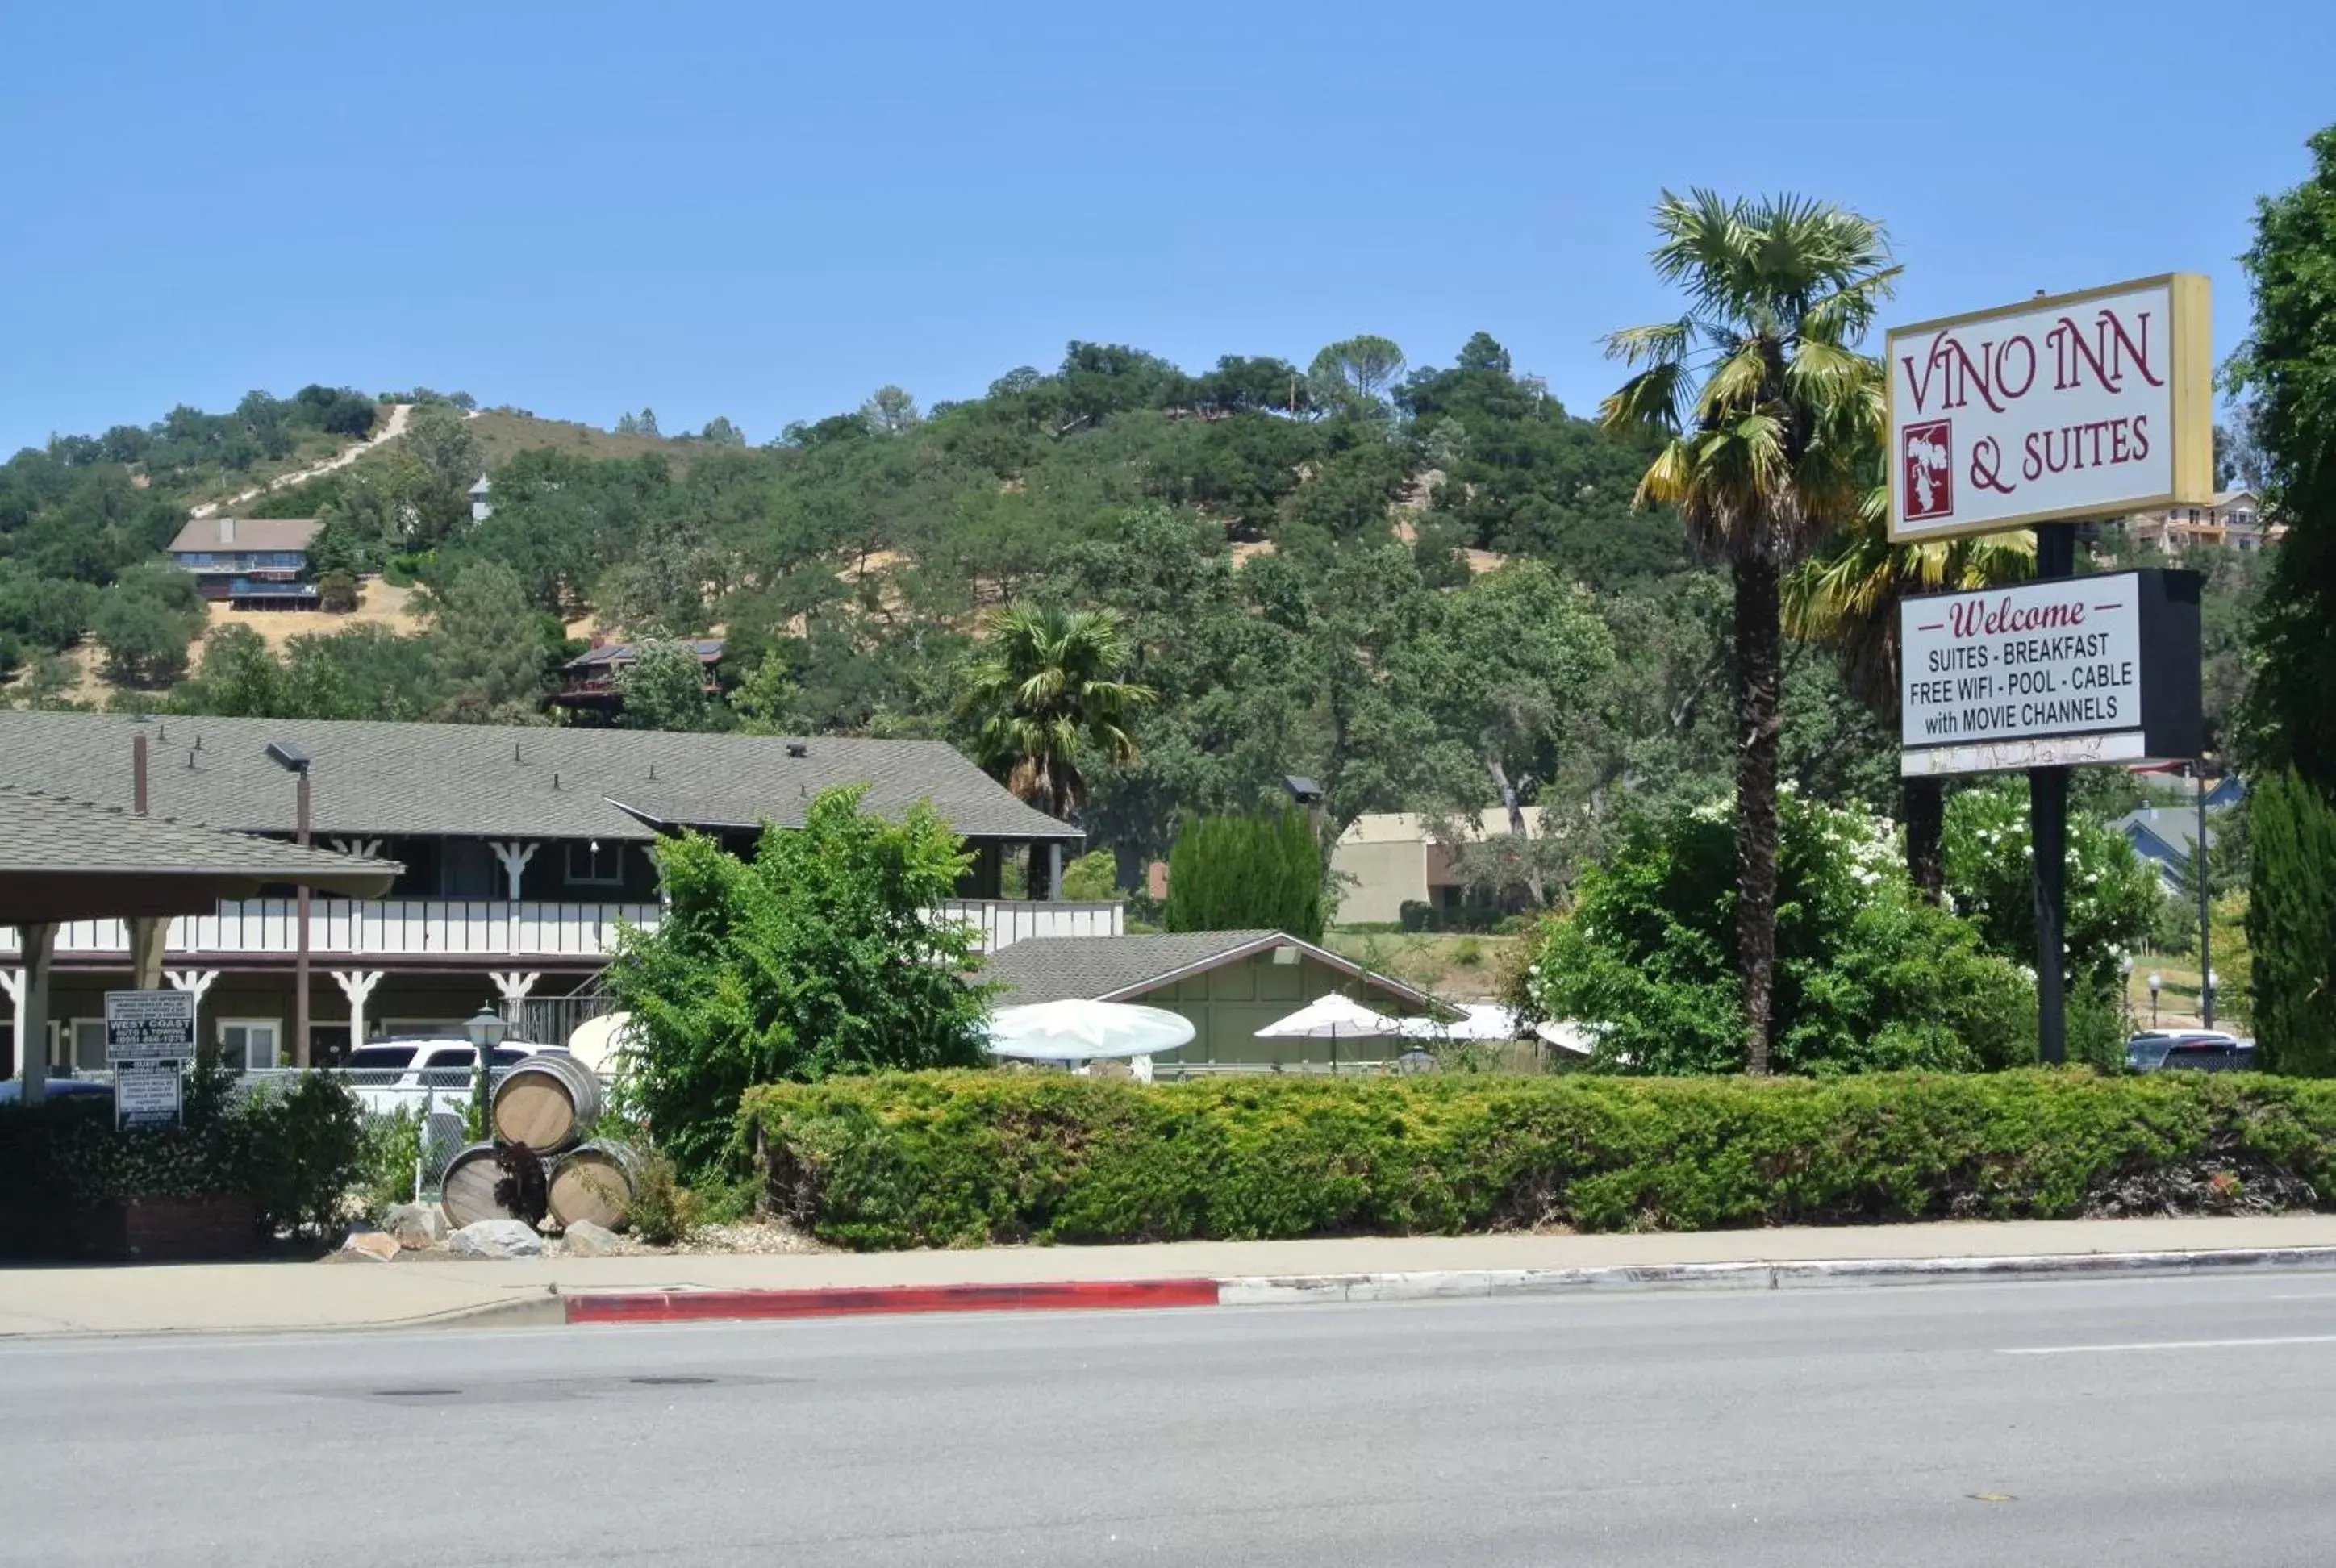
pixel 545 1105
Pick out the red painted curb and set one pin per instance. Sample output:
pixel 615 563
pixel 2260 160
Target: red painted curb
pixel 687 1306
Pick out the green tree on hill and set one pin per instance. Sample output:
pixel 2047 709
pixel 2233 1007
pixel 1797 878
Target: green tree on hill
pixel 1766 415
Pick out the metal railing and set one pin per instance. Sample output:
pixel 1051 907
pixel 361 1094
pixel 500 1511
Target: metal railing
pixel 492 928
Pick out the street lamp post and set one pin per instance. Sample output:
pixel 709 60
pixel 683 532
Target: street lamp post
pixel 2203 863
pixel 290 758
pixel 2124 988
pixel 486 1027
pixel 2155 980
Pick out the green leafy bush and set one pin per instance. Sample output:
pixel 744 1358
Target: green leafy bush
pixel 961 1159
pixel 661 1211
pixel 1869 975
pixel 296 1153
pixel 821 955
pixel 392 1144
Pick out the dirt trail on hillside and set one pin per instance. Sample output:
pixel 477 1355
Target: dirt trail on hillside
pixel 392 428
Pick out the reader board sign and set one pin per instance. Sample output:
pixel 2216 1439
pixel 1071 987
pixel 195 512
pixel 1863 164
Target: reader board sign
pixel 149 1026
pixel 2078 406
pixel 2101 669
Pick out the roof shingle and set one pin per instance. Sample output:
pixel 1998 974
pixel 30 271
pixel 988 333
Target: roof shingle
pixel 492 780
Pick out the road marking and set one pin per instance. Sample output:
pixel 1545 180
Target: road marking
pixel 2169 1345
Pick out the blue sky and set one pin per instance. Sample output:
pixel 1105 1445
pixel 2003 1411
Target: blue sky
pixel 767 211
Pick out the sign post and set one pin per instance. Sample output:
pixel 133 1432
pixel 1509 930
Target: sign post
pixel 2077 406
pixel 148 1036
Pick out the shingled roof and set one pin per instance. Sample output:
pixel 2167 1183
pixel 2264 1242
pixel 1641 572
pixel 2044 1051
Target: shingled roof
pixel 1123 968
pixel 493 781
pixel 63 859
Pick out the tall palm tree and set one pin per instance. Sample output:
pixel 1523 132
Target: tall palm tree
pixel 1847 600
pixel 1045 694
pixel 1764 411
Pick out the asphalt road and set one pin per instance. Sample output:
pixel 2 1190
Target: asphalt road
pixel 2143 1422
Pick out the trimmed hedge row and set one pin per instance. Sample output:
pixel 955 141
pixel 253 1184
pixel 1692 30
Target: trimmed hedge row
pixel 962 1159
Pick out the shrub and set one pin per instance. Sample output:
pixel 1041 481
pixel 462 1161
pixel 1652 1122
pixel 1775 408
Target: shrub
pixel 820 956
pixel 294 1153
pixel 392 1144
pixel 661 1211
pixel 960 1159
pixel 1869 975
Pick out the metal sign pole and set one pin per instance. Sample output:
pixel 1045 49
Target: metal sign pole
pixel 2048 814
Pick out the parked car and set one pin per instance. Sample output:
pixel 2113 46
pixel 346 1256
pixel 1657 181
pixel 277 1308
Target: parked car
pixel 391 1074
pixel 2204 1050
pixel 12 1090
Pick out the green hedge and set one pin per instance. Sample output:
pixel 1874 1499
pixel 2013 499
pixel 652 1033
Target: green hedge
pixel 961 1159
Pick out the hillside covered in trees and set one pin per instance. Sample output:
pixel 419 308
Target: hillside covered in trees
pixel 1427 588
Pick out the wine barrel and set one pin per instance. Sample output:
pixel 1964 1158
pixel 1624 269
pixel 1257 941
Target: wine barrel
pixel 593 1182
pixel 547 1101
pixel 467 1191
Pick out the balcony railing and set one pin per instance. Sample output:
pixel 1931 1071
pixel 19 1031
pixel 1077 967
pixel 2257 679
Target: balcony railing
pixel 487 929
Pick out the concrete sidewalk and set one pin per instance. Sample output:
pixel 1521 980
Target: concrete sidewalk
pixel 216 1298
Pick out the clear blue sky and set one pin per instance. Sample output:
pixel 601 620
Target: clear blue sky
pixel 767 211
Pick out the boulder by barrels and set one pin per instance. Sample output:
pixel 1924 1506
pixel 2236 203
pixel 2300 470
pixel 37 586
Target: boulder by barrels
pixel 548 1102
pixel 593 1182
pixel 467 1193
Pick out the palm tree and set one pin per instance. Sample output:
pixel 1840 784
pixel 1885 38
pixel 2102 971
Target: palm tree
pixel 1045 694
pixel 1766 412
pixel 1847 601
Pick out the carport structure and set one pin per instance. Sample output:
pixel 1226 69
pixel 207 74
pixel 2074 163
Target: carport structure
pixel 65 860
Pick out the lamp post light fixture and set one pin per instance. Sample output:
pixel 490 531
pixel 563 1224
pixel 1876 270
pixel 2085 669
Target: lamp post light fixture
pixel 295 760
pixel 2124 988
pixel 486 1027
pixel 2155 980
pixel 2208 983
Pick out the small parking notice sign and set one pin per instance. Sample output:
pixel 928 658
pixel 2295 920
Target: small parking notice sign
pixel 149 1026
pixel 146 1094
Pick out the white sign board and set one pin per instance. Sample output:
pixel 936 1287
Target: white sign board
pixel 2044 658
pixel 2086 405
pixel 146 1094
pixel 149 1026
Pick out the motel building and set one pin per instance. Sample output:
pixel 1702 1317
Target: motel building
pixel 523 852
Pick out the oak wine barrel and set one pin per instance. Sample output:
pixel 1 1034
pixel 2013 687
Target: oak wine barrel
pixel 468 1193
pixel 593 1182
pixel 547 1101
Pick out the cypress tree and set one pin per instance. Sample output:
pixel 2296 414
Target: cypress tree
pixel 2291 925
pixel 1246 873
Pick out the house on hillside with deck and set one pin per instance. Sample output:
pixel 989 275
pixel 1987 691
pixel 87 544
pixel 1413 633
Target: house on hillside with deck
pixel 523 851
pixel 252 562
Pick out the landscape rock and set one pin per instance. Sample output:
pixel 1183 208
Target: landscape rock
pixel 417 1226
pixel 378 1245
pixel 496 1239
pixel 586 1239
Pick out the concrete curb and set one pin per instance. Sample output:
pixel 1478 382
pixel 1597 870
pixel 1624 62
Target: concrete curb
pixel 700 1306
pixel 1457 1285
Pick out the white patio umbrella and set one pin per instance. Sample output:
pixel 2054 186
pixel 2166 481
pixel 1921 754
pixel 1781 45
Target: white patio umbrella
pixel 1082 1031
pixel 1333 1017
pixel 1477 1021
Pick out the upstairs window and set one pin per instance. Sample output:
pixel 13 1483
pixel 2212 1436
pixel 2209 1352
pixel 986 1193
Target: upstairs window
pixel 596 862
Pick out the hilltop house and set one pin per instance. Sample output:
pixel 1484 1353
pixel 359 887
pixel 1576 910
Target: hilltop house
pixel 2233 517
pixel 594 679
pixel 250 561
pixel 2166 839
pixel 522 850
pixel 1385 860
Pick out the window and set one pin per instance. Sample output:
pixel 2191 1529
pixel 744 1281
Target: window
pixel 602 864
pixel 381 1058
pixel 250 1045
pixel 449 1067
